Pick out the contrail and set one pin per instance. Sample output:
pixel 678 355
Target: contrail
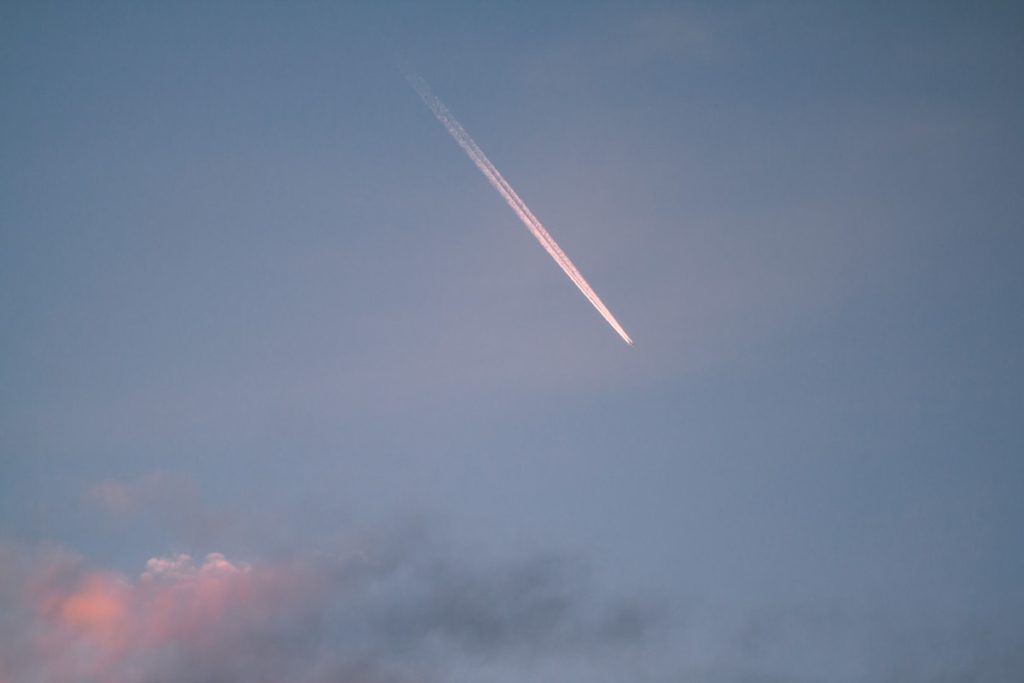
pixel 499 183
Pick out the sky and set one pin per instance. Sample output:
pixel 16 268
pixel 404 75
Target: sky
pixel 289 395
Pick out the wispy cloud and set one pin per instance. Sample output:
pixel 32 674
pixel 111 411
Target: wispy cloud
pixel 169 504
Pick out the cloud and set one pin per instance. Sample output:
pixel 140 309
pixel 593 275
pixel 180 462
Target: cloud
pixel 400 604
pixel 134 497
pixel 390 617
pixel 405 609
pixel 156 501
pixel 90 624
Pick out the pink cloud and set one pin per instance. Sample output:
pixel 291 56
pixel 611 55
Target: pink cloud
pixel 106 626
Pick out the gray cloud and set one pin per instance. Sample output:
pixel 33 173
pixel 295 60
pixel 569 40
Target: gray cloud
pixel 365 616
pixel 407 605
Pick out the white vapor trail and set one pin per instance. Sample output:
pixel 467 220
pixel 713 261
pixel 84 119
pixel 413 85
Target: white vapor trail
pixel 499 183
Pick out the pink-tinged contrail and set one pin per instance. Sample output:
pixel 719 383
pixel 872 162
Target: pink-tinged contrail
pixel 518 205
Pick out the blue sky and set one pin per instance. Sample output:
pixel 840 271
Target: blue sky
pixel 258 304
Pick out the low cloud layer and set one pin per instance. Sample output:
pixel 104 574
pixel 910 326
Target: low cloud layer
pixel 388 618
pixel 413 609
pixel 401 603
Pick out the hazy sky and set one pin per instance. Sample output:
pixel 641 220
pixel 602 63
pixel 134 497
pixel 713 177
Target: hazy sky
pixel 289 395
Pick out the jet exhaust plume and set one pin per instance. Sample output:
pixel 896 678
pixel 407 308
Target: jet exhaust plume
pixel 499 183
